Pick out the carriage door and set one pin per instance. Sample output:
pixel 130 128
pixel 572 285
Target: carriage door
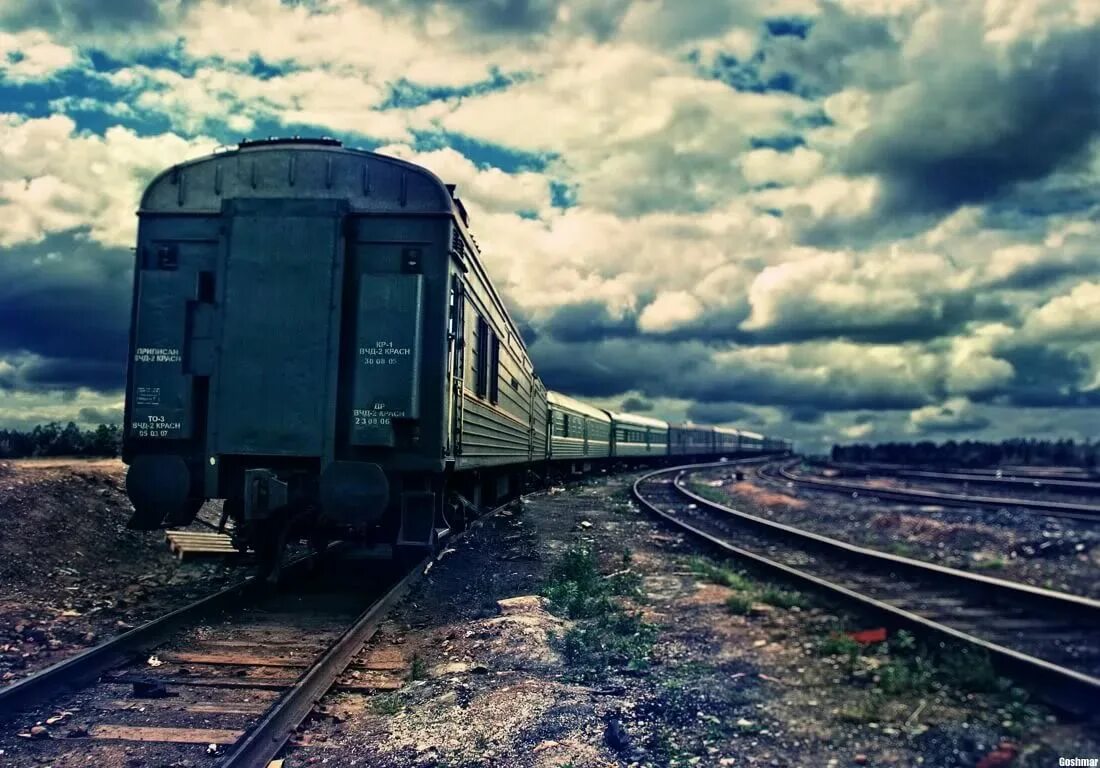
pixel 585 422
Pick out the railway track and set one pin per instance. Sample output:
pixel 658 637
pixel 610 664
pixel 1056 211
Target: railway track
pixel 231 675
pixel 1064 509
pixel 1048 640
pixel 1031 483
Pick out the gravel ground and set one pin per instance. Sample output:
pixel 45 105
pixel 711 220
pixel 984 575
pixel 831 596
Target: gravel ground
pixel 721 669
pixel 71 574
pixel 1050 552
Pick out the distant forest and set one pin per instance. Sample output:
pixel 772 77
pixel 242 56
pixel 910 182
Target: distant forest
pixel 969 453
pixel 55 440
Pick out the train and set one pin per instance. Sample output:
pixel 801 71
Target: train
pixel 315 341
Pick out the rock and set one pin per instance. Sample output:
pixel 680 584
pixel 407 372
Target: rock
pixel 616 736
pixel 151 689
pixel 452 668
pixel 523 604
pixel 40 732
pixel 860 759
pixel 77 732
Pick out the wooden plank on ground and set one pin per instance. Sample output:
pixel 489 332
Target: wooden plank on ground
pixel 262 683
pixel 204 707
pixel 168 735
pixel 382 661
pixel 234 659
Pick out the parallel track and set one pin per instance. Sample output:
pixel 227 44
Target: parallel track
pixel 1009 480
pixel 1069 510
pixel 1046 639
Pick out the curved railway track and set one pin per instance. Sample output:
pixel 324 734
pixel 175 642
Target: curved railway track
pixel 1047 639
pixel 1065 509
pixel 1079 487
pixel 234 673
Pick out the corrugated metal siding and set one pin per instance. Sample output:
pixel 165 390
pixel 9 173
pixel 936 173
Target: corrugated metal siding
pixel 690 440
pixel 599 438
pixel 491 437
pixel 572 446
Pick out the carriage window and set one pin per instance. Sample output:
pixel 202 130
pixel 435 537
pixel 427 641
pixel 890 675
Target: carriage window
pixel 494 369
pixel 481 358
pixel 456 325
pixel 565 425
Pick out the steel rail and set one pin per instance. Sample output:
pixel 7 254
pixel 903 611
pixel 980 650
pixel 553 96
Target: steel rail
pixel 79 670
pixel 267 738
pixel 1064 688
pixel 1053 508
pixel 1062 485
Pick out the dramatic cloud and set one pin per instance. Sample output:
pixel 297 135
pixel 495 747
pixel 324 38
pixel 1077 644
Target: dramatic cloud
pixel 829 219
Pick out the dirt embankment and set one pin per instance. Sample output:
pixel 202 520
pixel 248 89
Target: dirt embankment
pixel 71 574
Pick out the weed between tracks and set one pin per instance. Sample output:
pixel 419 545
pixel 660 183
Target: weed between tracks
pixel 607 634
pixel 890 675
pixel 747 592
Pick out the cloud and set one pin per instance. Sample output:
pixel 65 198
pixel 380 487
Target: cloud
pixel 636 405
pixel 980 109
pixel 32 55
pixel 669 310
pixel 880 297
pixel 53 178
pixel 1071 317
pixel 857 219
pixel 954 415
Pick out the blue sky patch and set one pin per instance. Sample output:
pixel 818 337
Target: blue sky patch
pixel 405 94
pixel 788 27
pixel 481 153
pixel 563 195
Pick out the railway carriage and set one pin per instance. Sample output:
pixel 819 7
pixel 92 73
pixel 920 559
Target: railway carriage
pixel 750 442
pixel 577 430
pixel 315 340
pixel 633 435
pixel 689 439
pixel 727 440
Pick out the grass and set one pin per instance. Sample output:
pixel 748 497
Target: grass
pixel 418 670
pixel 992 564
pixel 717 574
pixel 839 644
pixel 904 666
pixel 606 635
pixel 748 590
pixel 386 704
pixel 782 598
pixel 710 493
pixel 868 707
pixel 739 604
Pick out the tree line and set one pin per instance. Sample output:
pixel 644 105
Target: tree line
pixel 55 440
pixel 974 453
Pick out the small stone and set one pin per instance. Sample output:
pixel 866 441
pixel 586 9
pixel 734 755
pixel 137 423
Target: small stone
pixel 860 759
pixel 40 732
pixel 523 604
pixel 616 736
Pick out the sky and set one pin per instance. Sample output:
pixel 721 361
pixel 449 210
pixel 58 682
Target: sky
pixel 837 221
